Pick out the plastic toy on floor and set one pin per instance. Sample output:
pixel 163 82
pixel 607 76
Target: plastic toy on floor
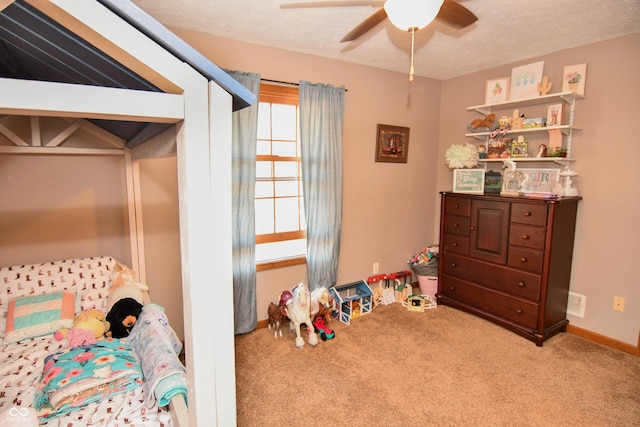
pixel 298 311
pixel 319 300
pixel 322 328
pixel 275 320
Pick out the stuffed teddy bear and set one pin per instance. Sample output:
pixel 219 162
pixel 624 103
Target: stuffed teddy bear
pixel 88 327
pixel 123 316
pixel 124 285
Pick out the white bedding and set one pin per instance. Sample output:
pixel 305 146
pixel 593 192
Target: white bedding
pixel 21 364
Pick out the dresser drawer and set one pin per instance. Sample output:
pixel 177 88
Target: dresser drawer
pixel 529 213
pixel 456 224
pixel 456 244
pixel 525 259
pixel 457 206
pixel 527 236
pixel 489 301
pixel 516 282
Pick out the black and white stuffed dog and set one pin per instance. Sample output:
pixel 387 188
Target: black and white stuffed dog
pixel 123 316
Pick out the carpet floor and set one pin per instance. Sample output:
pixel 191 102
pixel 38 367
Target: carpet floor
pixel 443 367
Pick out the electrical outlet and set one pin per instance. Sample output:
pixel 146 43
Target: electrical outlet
pixel 618 304
pixel 376 267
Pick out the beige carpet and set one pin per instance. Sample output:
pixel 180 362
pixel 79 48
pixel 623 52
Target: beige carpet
pixel 441 367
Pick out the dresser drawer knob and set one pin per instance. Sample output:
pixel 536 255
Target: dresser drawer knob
pixel 472 228
pixel 521 284
pixel 453 288
pixel 527 214
pixel 456 225
pixel 519 311
pixel 455 245
pixel 456 205
pixel 454 265
pixel 525 237
pixel 523 260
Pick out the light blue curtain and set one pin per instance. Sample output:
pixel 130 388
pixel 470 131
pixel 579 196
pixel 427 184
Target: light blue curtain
pixel 243 181
pixel 321 123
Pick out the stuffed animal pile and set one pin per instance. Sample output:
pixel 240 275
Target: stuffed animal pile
pixel 124 302
pixel 88 327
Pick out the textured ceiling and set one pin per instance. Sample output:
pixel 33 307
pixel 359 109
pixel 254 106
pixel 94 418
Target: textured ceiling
pixel 507 30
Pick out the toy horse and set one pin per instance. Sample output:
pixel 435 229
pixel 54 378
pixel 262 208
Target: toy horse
pixel 298 312
pixel 275 319
pixel 319 302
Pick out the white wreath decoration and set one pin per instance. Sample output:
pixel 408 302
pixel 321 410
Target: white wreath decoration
pixel 461 156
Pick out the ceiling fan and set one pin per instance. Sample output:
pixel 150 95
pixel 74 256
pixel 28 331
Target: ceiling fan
pixel 407 15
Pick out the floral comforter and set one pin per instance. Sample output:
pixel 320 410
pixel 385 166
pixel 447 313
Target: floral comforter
pixel 75 377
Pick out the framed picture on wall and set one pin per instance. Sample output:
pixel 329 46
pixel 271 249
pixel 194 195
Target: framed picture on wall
pixel 392 144
pixel 524 81
pixel 574 78
pixel 497 91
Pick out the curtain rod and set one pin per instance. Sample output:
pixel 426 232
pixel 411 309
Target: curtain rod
pixel 285 83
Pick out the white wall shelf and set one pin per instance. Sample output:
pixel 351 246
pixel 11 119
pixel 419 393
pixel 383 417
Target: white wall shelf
pixel 568 97
pixel 565 129
pixel 559 160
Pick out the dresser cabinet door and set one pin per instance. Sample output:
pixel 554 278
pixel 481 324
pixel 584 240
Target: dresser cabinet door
pixel 489 230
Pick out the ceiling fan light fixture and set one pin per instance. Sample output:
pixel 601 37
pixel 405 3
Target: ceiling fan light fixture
pixel 408 14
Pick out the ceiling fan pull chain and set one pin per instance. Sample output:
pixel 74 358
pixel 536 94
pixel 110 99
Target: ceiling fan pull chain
pixel 413 38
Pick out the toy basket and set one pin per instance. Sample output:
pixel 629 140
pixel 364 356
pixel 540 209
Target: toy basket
pixel 426 268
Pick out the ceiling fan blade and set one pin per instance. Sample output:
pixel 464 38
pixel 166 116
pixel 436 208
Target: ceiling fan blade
pixel 365 26
pixel 456 15
pixel 337 3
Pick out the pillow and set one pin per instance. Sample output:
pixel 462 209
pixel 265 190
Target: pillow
pixel 37 315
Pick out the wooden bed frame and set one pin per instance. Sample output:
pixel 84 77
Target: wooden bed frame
pixel 198 98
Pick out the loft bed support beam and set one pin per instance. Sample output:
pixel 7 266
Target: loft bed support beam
pixel 134 205
pixel 36 137
pixel 35 144
pixel 24 98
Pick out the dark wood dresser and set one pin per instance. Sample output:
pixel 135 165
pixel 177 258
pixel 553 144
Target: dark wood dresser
pixel 508 259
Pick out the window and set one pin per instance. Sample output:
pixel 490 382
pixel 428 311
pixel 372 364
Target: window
pixel 279 203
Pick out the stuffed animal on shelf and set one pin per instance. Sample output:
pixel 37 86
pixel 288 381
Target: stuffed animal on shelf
pixel 125 285
pixel 483 125
pixel 504 126
pixel 123 316
pixel 88 327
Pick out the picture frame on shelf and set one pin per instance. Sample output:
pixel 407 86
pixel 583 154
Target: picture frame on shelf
pixel 574 78
pixel 555 115
pixel 519 149
pixel 468 181
pixel 492 182
pixel 539 180
pixel 392 144
pixel 497 91
pixel 524 81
